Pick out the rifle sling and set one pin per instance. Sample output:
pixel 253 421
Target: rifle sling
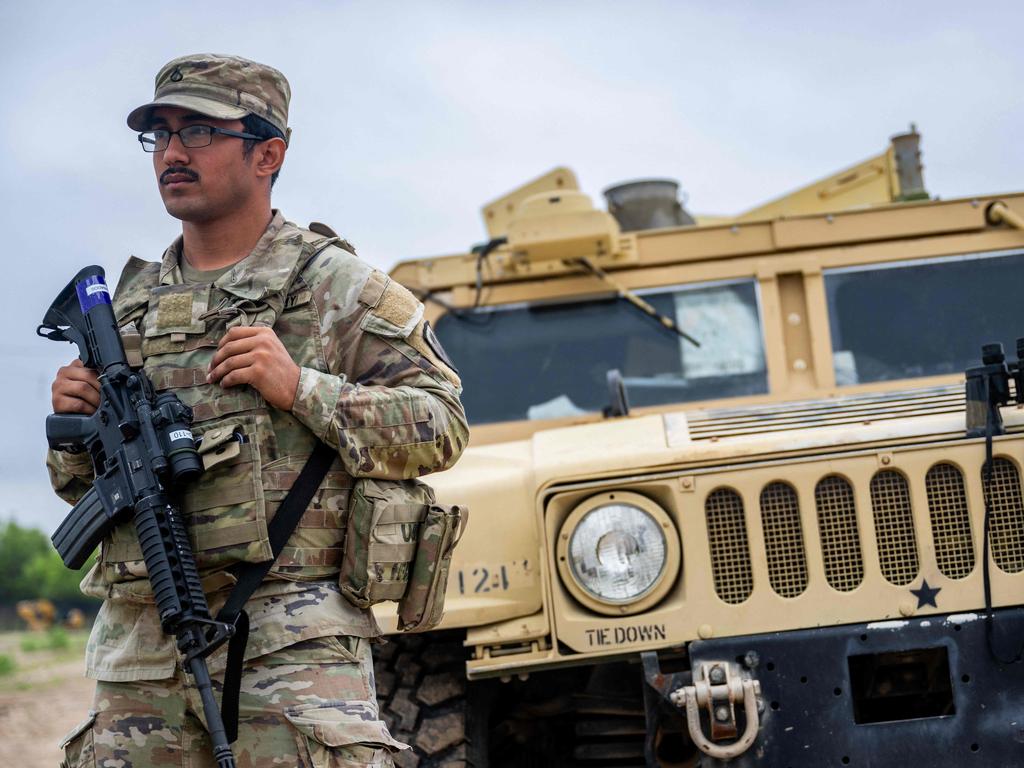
pixel 251 575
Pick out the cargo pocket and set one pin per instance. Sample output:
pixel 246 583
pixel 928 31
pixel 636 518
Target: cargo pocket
pixel 335 735
pixel 78 745
pixel 331 649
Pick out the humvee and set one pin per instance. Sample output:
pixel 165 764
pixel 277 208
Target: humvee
pixel 730 503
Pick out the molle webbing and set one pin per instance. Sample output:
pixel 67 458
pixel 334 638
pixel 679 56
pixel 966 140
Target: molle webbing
pixel 217 402
pixel 177 378
pixel 299 557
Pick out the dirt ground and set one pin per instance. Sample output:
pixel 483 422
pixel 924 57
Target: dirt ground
pixel 41 699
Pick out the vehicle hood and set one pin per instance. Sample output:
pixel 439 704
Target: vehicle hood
pixel 652 442
pixel 635 445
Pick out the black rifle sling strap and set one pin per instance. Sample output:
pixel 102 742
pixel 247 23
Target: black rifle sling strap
pixel 251 575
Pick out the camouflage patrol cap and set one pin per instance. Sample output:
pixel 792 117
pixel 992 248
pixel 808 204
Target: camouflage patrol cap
pixel 224 87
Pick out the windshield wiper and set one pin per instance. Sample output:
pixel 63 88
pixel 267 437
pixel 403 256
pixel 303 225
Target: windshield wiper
pixel 635 300
pixel 470 314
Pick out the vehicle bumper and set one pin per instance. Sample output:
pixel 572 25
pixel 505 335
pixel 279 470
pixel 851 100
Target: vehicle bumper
pixel 925 691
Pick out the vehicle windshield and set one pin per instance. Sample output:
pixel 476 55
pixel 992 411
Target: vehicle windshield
pixel 545 361
pixel 923 318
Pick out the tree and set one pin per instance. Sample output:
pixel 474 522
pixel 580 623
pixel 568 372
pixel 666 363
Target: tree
pixel 30 569
pixel 53 581
pixel 18 547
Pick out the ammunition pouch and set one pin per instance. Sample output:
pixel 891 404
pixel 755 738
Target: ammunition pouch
pixel 398 546
pixel 422 606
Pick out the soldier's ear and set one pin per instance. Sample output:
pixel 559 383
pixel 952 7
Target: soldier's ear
pixel 268 157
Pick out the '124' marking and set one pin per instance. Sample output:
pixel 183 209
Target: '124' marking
pixel 483 579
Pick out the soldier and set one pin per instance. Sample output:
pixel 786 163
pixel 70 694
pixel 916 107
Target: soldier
pixel 277 337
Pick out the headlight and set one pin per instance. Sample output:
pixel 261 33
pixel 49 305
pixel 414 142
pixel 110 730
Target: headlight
pixel 618 553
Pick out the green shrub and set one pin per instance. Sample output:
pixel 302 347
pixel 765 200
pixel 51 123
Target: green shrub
pixel 7 665
pixel 57 639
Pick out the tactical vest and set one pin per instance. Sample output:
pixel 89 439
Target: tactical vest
pixel 252 453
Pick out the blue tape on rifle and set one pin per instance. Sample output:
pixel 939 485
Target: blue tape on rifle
pixel 91 292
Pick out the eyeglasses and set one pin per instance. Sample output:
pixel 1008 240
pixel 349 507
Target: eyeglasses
pixel 192 136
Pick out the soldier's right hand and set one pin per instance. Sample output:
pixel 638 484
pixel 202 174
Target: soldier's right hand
pixel 75 390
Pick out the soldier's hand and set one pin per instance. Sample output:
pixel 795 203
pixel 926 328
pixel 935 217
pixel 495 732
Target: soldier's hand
pixel 255 356
pixel 75 390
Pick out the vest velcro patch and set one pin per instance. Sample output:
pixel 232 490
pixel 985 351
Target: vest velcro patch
pixel 179 309
pixel 174 310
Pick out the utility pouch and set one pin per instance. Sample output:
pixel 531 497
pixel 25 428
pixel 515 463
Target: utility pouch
pixel 382 533
pixel 422 605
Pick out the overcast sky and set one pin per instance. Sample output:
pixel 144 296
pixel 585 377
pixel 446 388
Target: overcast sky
pixel 408 116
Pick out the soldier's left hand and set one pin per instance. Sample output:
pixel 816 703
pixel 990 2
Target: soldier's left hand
pixel 255 356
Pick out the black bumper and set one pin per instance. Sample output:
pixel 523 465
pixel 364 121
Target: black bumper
pixel 918 693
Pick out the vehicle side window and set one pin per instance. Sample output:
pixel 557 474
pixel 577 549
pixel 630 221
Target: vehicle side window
pixel 926 318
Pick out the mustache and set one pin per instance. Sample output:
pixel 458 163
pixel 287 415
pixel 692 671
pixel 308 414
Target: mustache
pixel 179 170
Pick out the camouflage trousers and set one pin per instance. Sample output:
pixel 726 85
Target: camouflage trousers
pixel 311 704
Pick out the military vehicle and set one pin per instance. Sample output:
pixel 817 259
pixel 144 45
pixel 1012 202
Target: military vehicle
pixel 728 506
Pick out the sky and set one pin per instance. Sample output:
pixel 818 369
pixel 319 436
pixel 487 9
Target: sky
pixel 408 117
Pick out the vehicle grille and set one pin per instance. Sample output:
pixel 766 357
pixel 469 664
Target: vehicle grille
pixel 840 539
pixel 894 527
pixel 783 539
pixel 896 540
pixel 1006 524
pixel 730 554
pixel 951 523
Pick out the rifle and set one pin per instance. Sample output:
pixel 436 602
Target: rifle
pixel 141 443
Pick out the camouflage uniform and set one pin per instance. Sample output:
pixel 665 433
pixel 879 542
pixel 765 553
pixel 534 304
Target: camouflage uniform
pixel 310 704
pixel 375 386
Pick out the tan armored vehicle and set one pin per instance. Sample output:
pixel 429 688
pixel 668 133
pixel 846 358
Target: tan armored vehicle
pixel 728 505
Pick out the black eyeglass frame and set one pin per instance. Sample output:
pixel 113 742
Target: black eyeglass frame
pixel 213 131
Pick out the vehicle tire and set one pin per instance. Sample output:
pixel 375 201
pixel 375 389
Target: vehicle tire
pixel 422 694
